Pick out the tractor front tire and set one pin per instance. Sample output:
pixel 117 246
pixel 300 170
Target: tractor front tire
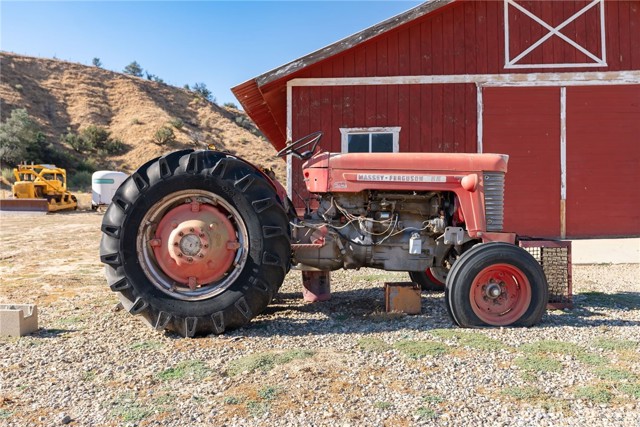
pixel 494 285
pixel 196 242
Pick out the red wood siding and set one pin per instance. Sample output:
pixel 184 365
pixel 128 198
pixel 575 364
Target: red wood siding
pixel 525 124
pixel 468 38
pixel 435 118
pixel 603 161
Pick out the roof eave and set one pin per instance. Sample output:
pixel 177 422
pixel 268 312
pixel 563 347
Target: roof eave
pixel 349 42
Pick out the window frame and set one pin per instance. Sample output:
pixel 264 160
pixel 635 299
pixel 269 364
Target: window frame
pixel 345 132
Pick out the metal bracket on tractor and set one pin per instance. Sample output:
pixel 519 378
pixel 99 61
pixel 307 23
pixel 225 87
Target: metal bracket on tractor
pixel 437 216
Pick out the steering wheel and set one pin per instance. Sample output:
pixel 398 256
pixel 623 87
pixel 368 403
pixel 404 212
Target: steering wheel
pixel 294 148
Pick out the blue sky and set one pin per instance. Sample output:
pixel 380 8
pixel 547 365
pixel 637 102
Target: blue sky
pixel 220 43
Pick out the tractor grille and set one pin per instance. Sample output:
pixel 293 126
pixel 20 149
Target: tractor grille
pixel 494 200
pixel 555 259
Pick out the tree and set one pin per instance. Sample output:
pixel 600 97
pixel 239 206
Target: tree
pixel 96 62
pixel 153 77
pixel 21 140
pixel 201 89
pixel 133 69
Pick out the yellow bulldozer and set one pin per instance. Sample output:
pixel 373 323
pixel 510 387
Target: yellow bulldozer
pixel 39 188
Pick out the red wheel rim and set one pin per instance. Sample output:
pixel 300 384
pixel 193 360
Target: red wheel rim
pixel 500 294
pixel 195 244
pixel 192 245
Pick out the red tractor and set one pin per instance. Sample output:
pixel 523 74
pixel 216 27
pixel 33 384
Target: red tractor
pixel 200 241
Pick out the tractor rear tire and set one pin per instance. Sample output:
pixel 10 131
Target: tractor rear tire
pixel 196 242
pixel 495 285
pixel 427 280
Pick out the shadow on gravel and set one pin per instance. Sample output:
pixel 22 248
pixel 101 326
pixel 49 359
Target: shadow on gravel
pixel 353 311
pixel 52 333
pixel 363 310
pixel 594 309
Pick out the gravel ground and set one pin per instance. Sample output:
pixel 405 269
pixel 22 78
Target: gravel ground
pixel 340 363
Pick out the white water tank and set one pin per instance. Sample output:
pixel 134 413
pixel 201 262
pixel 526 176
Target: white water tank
pixel 103 187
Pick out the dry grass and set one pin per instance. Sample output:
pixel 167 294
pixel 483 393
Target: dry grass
pixel 62 95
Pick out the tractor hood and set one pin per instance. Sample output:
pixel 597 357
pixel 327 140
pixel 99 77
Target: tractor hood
pixel 445 162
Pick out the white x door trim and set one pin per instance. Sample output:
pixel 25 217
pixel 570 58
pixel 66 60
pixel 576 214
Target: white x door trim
pixel 598 61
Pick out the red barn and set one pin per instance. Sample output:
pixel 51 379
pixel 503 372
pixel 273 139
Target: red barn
pixel 554 84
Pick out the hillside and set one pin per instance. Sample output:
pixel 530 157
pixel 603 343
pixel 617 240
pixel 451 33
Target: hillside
pixel 63 96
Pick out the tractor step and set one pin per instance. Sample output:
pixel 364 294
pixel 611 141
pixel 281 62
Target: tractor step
pixel 24 205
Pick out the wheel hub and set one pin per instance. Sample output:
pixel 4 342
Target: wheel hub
pixel 493 290
pixel 195 244
pixel 190 245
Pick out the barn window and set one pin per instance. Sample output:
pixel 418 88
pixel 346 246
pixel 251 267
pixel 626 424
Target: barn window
pixel 370 140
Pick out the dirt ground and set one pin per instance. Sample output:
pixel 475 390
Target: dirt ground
pixel 344 362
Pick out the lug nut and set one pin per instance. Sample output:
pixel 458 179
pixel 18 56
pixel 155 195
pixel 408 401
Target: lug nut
pixel 181 234
pixel 180 254
pixel 175 243
pixel 191 229
pixel 189 259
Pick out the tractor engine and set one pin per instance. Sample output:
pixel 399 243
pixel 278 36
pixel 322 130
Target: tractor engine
pixel 396 231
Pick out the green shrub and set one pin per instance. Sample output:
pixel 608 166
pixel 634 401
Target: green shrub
pixel 96 62
pixel 65 159
pixel 79 181
pixel 201 89
pixel 78 143
pixel 177 123
pixel 230 105
pixel 164 136
pixel 19 87
pixel 87 165
pixel 95 136
pixel 115 146
pixel 21 139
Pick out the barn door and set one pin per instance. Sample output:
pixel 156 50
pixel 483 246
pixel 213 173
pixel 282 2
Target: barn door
pixel 525 124
pixel 603 161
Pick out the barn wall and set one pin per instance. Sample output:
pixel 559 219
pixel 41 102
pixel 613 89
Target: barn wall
pixel 468 38
pixel 603 161
pixel 435 118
